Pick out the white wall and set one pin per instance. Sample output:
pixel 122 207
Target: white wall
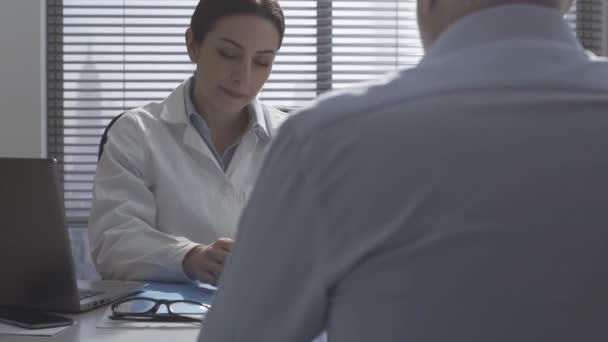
pixel 22 78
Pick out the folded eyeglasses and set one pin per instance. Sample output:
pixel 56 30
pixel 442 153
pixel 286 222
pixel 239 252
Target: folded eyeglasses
pixel 144 309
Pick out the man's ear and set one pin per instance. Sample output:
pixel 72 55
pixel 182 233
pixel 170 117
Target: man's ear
pixel 425 6
pixel 192 46
pixel 567 6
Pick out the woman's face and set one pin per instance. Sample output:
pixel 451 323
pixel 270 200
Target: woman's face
pixel 233 61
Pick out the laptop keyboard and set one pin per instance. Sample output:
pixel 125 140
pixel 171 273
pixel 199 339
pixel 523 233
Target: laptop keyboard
pixel 84 294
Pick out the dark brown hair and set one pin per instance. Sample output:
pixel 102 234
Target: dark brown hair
pixel 208 12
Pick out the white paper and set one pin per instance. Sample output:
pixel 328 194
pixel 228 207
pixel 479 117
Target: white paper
pixel 7 329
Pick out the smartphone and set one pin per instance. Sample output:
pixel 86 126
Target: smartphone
pixel 31 319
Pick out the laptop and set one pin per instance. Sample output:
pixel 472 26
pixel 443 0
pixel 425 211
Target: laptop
pixel 35 255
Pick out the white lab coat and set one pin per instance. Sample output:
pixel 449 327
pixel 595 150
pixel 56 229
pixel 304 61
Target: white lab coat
pixel 159 191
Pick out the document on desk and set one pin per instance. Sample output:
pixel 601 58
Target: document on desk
pixel 168 291
pixel 7 329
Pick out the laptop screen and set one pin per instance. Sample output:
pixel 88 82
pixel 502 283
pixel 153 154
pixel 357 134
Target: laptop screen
pixel 35 259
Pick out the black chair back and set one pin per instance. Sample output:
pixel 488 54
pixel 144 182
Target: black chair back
pixel 104 136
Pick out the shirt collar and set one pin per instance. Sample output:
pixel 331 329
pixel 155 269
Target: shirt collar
pixel 501 23
pixel 257 120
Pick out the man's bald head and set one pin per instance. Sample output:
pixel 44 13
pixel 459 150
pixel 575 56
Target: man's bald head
pixel 562 5
pixel 435 16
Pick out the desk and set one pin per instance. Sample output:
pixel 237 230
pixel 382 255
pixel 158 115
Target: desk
pixel 86 329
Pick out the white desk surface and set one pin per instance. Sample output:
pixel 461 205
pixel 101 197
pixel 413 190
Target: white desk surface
pixel 86 329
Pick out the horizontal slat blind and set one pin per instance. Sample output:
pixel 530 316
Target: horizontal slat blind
pixel 109 56
pixel 371 38
pixel 592 27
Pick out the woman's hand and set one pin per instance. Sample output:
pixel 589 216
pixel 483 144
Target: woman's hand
pixel 205 263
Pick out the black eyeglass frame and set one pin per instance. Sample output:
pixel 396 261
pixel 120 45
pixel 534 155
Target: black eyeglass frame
pixel 151 314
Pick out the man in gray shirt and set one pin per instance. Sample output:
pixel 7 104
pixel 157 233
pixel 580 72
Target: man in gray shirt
pixel 461 200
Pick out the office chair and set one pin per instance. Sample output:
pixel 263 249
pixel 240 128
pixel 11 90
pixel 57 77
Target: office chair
pixel 104 136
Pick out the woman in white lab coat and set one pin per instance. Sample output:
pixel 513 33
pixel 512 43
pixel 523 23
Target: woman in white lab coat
pixel 174 176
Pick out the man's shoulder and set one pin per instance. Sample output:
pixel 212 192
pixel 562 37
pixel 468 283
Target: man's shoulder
pixel 351 104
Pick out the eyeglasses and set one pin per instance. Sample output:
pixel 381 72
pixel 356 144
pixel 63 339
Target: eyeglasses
pixel 143 309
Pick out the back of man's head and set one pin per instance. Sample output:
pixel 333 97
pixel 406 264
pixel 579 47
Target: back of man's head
pixel 435 16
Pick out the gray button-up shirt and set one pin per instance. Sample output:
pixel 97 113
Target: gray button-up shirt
pixel 461 200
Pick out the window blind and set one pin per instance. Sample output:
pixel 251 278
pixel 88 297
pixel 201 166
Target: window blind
pixel 105 57
pixel 592 20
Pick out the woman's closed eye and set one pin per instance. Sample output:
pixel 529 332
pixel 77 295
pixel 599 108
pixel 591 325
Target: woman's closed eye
pixel 227 55
pixel 261 62
pixel 264 64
